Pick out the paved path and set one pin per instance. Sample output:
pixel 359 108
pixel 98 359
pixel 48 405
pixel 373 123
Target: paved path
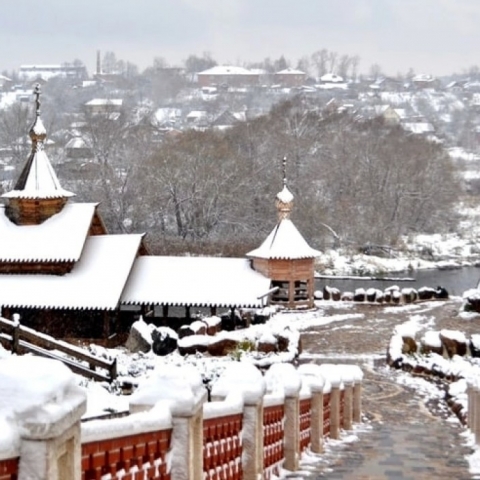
pixel 401 439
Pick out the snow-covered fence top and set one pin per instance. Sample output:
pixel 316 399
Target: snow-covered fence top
pixel 255 426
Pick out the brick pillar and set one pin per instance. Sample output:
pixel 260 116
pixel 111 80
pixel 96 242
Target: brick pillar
pixel 335 408
pixel 50 446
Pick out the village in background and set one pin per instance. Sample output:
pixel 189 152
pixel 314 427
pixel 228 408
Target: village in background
pixel 192 154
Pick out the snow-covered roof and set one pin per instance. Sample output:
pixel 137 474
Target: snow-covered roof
pixel 290 71
pixel 76 142
pixel 227 70
pixel 105 101
pixel 331 78
pixel 418 127
pixel 195 281
pixel 60 238
pixel 96 281
pixel 38 180
pixel 284 242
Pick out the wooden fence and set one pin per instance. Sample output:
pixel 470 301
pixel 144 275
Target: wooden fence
pixel 21 339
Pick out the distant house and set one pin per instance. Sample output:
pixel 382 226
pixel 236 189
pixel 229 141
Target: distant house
pixel 389 114
pixel 228 119
pixel 420 127
pixel 331 81
pixel 46 72
pixel 77 148
pixel 424 81
pixel 228 76
pixel 104 105
pixel 290 77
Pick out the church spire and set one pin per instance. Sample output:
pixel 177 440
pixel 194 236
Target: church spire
pixel 284 199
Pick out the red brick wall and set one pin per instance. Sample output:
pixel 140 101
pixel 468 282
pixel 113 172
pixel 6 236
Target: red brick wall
pixel 144 451
pixel 222 448
pixel 273 437
pixel 9 469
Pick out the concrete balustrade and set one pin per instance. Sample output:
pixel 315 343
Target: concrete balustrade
pixel 255 426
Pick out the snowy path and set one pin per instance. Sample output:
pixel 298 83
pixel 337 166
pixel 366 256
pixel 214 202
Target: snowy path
pixel 401 438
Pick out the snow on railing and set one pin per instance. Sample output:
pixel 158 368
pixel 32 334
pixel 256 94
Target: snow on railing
pixel 255 426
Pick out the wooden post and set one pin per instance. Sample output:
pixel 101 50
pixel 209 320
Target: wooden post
pixel 213 311
pixel 165 312
pixel 16 333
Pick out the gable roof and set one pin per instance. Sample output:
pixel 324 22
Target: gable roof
pixel 58 239
pixel 284 242
pixel 96 281
pixel 195 281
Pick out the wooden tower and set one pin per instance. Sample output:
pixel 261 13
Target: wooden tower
pixel 286 258
pixel 37 195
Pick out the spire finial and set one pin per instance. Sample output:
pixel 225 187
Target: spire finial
pixel 284 200
pixel 37 93
pixel 37 131
pixel 284 166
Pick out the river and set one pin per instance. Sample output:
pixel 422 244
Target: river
pixel 455 281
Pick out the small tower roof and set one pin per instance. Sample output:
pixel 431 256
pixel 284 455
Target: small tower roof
pixel 38 179
pixel 285 241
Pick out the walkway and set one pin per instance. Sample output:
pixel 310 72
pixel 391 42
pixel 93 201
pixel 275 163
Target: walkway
pixel 401 439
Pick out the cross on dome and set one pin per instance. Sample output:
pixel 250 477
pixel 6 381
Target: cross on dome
pixel 284 199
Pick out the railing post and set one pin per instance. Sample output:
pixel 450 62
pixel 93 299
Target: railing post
pixel 476 407
pixel 285 375
pixel 357 394
pixel 16 333
pixel 348 407
pixel 48 420
pixel 471 405
pixel 335 407
pixel 183 388
pixel 312 375
pixel 246 380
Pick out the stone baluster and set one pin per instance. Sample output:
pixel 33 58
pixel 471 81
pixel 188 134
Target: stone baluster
pixel 185 395
pixel 357 395
pixel 247 381
pixel 335 407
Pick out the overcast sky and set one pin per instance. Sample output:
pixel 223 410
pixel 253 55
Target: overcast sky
pixel 430 36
